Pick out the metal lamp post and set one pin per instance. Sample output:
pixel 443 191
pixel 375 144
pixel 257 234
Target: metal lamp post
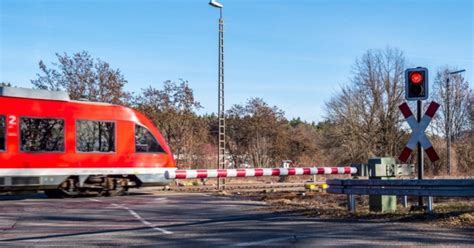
pixel 448 117
pixel 220 112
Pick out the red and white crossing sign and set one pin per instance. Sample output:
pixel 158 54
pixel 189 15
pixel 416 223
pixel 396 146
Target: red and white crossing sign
pixel 419 129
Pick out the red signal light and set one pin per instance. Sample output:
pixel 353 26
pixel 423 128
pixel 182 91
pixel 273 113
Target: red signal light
pixel 416 83
pixel 416 77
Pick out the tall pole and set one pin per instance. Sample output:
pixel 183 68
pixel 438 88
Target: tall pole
pixel 448 126
pixel 221 113
pixel 419 109
pixel 448 118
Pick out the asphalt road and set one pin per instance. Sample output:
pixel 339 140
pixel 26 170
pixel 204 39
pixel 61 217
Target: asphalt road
pixel 196 220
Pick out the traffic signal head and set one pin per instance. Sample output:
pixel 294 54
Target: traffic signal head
pixel 416 83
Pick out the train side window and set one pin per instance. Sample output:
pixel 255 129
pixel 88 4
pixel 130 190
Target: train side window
pixel 2 133
pixel 95 136
pixel 41 135
pixel 145 142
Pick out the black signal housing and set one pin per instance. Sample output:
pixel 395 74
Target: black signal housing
pixel 416 84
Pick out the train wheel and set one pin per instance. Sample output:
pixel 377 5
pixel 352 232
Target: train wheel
pixel 116 187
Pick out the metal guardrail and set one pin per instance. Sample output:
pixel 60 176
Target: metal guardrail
pixel 430 187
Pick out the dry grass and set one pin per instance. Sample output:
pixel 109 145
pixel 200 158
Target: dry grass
pixel 446 213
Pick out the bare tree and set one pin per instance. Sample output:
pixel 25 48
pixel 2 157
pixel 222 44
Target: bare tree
pixel 83 77
pixel 304 139
pixel 458 95
pixel 257 134
pixel 365 116
pixel 172 109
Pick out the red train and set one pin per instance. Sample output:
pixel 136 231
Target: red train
pixel 64 147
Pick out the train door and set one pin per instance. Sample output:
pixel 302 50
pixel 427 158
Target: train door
pixel 3 131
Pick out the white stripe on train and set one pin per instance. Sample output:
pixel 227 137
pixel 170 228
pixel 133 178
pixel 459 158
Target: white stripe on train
pixel 80 171
pixel 174 173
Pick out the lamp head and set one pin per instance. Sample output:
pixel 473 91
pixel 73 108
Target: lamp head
pixel 456 72
pixel 216 4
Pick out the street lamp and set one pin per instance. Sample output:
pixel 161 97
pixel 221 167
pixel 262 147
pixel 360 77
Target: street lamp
pixel 220 81
pixel 448 117
pixel 216 4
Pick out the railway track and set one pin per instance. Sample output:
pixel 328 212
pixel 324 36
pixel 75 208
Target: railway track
pixel 252 187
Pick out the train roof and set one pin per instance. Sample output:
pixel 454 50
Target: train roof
pixel 34 94
pixel 44 95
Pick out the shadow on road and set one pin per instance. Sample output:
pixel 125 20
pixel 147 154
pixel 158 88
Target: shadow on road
pixel 32 195
pixel 22 196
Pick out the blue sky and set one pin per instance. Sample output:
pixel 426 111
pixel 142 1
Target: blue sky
pixel 294 54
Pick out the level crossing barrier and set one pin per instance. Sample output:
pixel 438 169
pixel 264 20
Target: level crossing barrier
pixel 257 172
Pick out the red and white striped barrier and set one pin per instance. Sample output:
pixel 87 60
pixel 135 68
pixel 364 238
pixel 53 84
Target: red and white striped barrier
pixel 257 172
pixel 418 134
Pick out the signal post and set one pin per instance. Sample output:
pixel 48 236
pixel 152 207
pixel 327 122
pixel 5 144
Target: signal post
pixel 417 89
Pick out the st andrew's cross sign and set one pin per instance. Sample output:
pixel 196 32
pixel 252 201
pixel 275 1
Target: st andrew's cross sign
pixel 419 129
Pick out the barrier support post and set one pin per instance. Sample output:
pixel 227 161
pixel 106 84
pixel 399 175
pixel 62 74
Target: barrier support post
pixel 405 201
pixel 351 203
pixel 430 204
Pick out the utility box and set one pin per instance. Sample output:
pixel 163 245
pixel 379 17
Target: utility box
pixel 383 203
pixel 380 167
pixel 385 168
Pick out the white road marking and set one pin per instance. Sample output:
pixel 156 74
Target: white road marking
pixel 160 199
pixel 138 217
pixel 145 222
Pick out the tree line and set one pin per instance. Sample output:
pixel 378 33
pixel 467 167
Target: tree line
pixel 361 121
